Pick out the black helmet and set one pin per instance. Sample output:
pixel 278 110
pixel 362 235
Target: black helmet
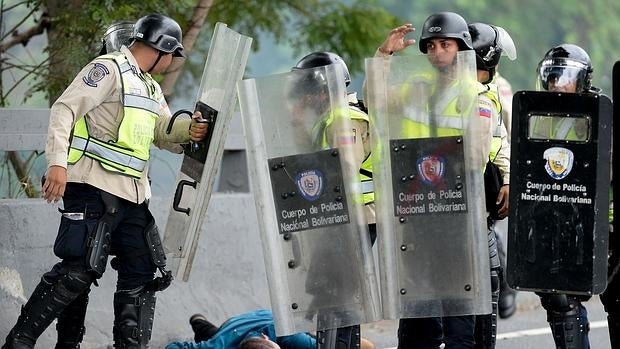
pixel 446 25
pixel 564 64
pixel 319 59
pixel 161 33
pixel 490 43
pixel 117 35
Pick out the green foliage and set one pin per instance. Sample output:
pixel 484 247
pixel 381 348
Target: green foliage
pixel 77 32
pixel 252 17
pixel 351 28
pixel 353 31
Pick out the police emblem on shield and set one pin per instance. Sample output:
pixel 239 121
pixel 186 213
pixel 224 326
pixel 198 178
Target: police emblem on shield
pixel 431 168
pixel 310 184
pixel 559 162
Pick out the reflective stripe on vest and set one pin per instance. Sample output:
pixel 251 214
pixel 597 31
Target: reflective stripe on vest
pixel 445 119
pixel 449 123
pixel 565 127
pixel 95 147
pixel 365 173
pixel 367 184
pixel 496 141
pixel 129 153
pixel 368 187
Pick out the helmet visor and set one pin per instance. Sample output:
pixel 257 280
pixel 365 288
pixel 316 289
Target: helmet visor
pixel 505 42
pixel 561 76
pixel 117 36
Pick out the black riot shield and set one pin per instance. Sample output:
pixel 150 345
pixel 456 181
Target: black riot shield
pixel 560 165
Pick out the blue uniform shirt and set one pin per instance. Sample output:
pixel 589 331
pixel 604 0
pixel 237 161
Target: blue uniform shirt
pixel 251 324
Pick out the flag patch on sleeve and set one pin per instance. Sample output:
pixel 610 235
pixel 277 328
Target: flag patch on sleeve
pixel 485 108
pixel 347 137
pixel 485 112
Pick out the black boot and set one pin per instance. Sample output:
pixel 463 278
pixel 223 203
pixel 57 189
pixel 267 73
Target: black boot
pixel 44 305
pixel 133 318
pixel 203 328
pixel 507 303
pixel 70 325
pixel 570 329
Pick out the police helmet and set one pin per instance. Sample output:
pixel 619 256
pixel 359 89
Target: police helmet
pixel 161 33
pixel 490 43
pixel 117 35
pixel 446 25
pixel 566 64
pixel 319 59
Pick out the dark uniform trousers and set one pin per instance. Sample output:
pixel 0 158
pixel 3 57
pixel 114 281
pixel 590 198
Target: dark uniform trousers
pixel 63 291
pixel 457 332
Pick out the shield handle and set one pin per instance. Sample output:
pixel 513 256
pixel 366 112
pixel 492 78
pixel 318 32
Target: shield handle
pixel 179 193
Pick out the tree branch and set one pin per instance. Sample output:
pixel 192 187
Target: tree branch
pixel 198 18
pixel 23 37
pixel 22 174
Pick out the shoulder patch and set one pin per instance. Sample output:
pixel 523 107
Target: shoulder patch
pixel 96 74
pixel 485 107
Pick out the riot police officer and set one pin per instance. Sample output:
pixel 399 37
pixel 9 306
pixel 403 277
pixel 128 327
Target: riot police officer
pixel 490 43
pixel 507 303
pixel 360 127
pixel 113 111
pixel 360 140
pixel 567 68
pixel 443 35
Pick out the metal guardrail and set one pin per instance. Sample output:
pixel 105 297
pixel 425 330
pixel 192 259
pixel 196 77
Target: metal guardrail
pixel 23 128
pixel 26 129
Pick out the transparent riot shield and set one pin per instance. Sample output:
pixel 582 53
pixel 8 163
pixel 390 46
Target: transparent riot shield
pixel 434 257
pixel 559 192
pixel 216 100
pixel 309 201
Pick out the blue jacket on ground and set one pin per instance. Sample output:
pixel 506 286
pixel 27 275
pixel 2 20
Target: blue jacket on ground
pixel 251 324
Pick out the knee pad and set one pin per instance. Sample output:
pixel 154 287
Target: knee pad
pixel 156 248
pixel 70 285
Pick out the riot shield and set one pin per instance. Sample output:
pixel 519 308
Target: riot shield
pixel 559 192
pixel 309 201
pixel 216 99
pixel 434 257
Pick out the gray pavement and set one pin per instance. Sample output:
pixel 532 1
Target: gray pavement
pixel 528 328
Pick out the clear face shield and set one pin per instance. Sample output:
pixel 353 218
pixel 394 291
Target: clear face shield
pixel 506 44
pixel 561 75
pixel 117 35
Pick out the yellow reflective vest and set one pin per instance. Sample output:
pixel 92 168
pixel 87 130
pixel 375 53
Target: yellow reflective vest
pixel 129 153
pixel 446 118
pixel 496 142
pixel 365 172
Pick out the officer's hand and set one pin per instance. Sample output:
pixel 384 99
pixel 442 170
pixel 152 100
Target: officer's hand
pixel 502 198
pixel 55 183
pixel 395 41
pixel 198 127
